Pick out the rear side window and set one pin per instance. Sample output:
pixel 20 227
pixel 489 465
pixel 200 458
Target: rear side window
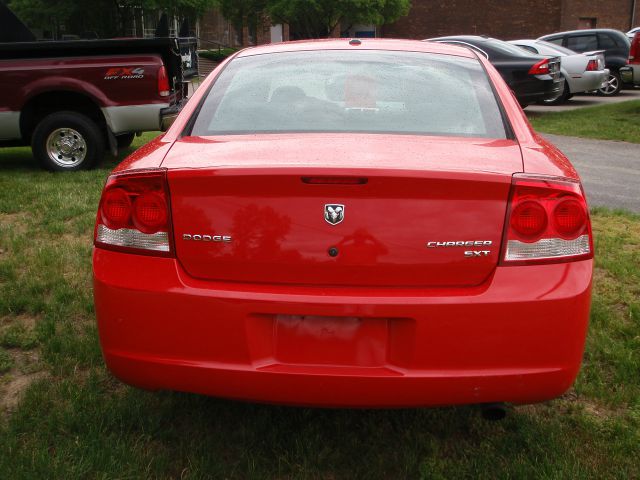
pixel 582 43
pixel 366 91
pixel 529 48
pixel 556 41
pixel 606 41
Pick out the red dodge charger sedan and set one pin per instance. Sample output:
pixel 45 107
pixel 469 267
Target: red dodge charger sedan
pixel 347 223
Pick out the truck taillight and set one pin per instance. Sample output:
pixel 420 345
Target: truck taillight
pixel 540 68
pixel 135 215
pixel 163 82
pixel 634 49
pixel 592 66
pixel 547 222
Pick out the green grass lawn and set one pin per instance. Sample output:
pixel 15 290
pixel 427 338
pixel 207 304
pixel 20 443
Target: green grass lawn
pixel 617 121
pixel 63 416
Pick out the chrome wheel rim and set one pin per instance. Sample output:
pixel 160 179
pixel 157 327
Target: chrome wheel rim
pixel 611 86
pixel 66 147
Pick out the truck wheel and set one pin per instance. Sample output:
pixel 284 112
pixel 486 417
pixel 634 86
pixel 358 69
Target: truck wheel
pixel 125 140
pixel 67 141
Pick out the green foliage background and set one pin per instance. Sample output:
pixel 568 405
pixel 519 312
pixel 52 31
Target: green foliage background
pixel 312 18
pixel 106 17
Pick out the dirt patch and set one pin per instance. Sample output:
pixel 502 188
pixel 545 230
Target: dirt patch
pixel 591 407
pixel 11 393
pixel 25 371
pixel 16 222
pixel 26 321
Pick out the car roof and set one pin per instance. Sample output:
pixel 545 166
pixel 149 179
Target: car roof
pixel 587 30
pixel 365 44
pixel 475 38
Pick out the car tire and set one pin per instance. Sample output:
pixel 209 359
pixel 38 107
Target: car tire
pixel 560 99
pixel 67 141
pixel 612 87
pixel 125 140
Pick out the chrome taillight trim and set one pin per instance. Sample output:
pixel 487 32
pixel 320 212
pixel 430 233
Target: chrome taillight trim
pixel 547 248
pixel 126 237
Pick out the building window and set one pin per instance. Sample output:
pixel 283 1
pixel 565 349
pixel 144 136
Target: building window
pixel 587 22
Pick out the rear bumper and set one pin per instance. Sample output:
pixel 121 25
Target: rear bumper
pixel 134 118
pixel 588 81
pixel 168 115
pixel 517 338
pixel 630 74
pixel 537 88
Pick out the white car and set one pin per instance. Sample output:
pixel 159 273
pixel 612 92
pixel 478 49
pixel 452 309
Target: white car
pixel 632 32
pixel 582 72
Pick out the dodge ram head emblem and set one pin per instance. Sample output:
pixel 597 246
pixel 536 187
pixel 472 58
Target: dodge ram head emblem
pixel 333 213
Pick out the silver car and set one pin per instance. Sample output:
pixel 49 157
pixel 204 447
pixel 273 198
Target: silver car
pixel 582 72
pixel 632 32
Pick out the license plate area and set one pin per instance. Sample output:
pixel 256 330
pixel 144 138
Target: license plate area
pixel 340 341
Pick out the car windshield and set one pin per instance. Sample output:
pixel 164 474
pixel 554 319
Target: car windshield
pixel 367 91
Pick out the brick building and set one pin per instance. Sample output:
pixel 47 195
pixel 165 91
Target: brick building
pixel 506 19
pixel 511 19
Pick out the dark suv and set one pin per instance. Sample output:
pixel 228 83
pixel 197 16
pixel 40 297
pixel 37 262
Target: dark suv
pixel 614 43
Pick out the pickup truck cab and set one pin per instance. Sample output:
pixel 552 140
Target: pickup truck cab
pixel 73 100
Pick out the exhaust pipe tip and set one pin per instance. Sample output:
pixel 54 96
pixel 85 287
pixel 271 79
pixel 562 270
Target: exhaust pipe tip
pixel 494 412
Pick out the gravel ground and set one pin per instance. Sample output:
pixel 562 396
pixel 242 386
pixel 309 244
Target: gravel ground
pixel 610 171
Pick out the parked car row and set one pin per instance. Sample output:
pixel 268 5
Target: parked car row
pixel 532 78
pixel 582 72
pixel 553 68
pixel 614 43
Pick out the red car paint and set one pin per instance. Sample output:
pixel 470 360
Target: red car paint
pixel 388 322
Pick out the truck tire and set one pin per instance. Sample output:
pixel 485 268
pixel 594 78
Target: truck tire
pixel 67 141
pixel 125 140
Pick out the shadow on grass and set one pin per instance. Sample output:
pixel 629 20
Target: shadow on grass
pixel 115 431
pixel 21 159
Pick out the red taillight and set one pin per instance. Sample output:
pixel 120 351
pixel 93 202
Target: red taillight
pixel 163 82
pixel 116 208
pixel 547 221
pixel 150 212
pixel 540 68
pixel 134 214
pixel 529 219
pixel 634 50
pixel 569 218
pixel 592 66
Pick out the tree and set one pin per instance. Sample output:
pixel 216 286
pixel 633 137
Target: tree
pixel 243 14
pixel 318 18
pixel 107 17
pixel 194 8
pixel 42 14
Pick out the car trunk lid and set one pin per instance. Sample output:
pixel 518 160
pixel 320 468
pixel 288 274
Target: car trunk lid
pixel 358 210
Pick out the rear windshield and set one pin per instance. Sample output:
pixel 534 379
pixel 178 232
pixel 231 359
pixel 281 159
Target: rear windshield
pixel 557 48
pixel 366 91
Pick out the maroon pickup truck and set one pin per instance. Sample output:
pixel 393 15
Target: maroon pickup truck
pixel 73 100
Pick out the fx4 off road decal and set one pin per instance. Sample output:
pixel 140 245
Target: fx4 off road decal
pixel 124 73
